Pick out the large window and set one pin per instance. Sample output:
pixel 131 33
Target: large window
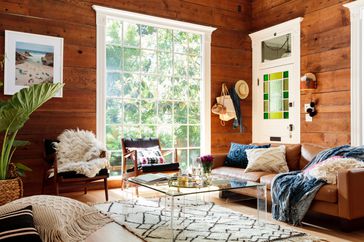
pixel 153 87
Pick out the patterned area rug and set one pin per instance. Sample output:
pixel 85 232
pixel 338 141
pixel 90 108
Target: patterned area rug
pixel 201 222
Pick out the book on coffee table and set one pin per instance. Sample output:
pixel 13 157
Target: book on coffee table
pixel 148 178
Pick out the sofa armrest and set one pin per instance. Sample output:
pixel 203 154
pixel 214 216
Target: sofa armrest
pixel 350 193
pixel 218 160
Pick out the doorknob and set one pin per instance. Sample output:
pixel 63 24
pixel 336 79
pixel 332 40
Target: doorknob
pixel 290 127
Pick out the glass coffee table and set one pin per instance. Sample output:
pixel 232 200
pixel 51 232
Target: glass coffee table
pixel 172 191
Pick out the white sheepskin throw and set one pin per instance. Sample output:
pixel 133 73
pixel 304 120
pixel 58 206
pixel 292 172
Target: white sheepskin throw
pixel 328 169
pixel 79 151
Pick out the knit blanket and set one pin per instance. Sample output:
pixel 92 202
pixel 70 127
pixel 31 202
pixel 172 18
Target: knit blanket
pixel 293 192
pixel 79 151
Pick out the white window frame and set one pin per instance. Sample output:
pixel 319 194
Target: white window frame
pixel 205 31
pixel 356 74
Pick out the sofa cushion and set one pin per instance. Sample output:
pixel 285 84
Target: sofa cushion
pixel 238 173
pixel 293 155
pixel 272 160
pixel 327 193
pixel 308 152
pixel 267 179
pixel 237 154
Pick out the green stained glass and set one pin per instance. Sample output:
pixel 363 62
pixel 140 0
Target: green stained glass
pixel 266 85
pixel 275 89
pixel 286 115
pixel 266 106
pixel 285 94
pixel 285 105
pixel 285 84
pixel 275 76
pixel 275 115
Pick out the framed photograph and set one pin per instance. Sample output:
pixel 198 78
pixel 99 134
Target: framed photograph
pixel 31 59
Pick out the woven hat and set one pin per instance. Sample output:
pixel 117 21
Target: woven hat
pixel 242 89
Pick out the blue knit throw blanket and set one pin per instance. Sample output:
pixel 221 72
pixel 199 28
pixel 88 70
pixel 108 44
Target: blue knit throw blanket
pixel 292 192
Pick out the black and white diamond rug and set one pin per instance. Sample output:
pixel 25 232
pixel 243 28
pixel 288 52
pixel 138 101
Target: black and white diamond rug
pixel 194 222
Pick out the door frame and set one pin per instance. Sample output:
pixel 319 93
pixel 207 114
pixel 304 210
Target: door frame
pixel 294 28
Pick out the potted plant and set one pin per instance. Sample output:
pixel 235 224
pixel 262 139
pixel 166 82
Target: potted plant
pixel 14 113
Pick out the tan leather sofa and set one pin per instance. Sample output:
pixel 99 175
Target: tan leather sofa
pixel 344 200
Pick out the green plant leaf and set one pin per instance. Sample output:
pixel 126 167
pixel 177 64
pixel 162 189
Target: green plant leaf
pixel 22 167
pixel 19 143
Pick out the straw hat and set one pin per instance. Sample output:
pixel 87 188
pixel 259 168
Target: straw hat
pixel 242 89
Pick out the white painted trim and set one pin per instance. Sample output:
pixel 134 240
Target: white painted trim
pixel 101 14
pixel 356 74
pixel 152 20
pixel 294 27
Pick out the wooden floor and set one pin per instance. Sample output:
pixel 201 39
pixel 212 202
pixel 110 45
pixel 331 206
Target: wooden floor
pixel 324 228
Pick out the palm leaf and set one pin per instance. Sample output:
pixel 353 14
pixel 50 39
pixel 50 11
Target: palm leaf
pixel 19 143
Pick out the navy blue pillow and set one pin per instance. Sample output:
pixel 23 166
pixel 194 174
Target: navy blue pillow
pixel 237 156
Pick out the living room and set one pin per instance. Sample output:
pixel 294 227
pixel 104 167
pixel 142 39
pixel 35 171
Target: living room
pixel 215 86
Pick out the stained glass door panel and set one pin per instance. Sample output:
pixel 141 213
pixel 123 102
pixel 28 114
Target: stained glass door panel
pixel 275 95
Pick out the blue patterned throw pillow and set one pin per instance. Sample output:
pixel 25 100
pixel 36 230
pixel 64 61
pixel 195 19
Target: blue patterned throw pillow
pixel 237 156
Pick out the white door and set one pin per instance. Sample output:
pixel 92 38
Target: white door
pixel 276 116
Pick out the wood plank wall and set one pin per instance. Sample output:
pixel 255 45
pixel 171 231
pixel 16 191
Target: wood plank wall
pixel 325 51
pixel 75 21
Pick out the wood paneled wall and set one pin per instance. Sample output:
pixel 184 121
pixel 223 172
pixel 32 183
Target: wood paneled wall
pixel 325 51
pixel 75 21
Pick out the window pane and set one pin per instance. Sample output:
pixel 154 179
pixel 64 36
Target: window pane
pixel 113 137
pixel 165 64
pixel 194 114
pixel 115 158
pixel 194 90
pixel 149 131
pixel 194 66
pixel 114 110
pixel 194 153
pixel 194 44
pixel 149 86
pixel 180 65
pixel 165 136
pixel 131 85
pixel 180 136
pixel 165 112
pixel 131 34
pixel 113 57
pixel 180 41
pixel 148 61
pixel 131 112
pixel 180 89
pixel 148 37
pixel 182 158
pixel 148 112
pixel 165 39
pixel 131 59
pixel 114 84
pixel 194 136
pixel 131 132
pixel 276 48
pixel 113 31
pixel 165 88
pixel 180 112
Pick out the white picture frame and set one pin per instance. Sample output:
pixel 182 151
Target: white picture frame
pixel 31 59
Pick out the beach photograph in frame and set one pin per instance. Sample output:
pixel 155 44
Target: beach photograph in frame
pixel 32 59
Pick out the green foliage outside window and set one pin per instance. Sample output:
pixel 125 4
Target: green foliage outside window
pixel 153 87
